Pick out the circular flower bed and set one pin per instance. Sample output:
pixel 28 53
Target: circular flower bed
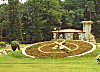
pixel 45 49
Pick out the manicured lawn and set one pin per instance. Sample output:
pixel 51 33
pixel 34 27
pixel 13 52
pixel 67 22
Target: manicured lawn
pixel 16 62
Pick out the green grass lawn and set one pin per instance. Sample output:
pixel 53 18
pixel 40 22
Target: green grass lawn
pixel 16 62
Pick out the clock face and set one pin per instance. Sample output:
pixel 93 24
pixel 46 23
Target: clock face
pixel 51 49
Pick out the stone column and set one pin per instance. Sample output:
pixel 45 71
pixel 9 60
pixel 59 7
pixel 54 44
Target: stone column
pixel 87 29
pixel 54 36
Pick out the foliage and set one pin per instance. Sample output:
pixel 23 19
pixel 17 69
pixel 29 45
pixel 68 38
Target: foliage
pixel 96 26
pixel 3 19
pixel 14 23
pixel 14 43
pixel 35 19
pixel 17 54
pixel 2 44
pixel 3 16
pixel 39 19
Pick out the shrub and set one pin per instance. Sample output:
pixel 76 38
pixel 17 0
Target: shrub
pixel 15 45
pixel 2 44
pixel 17 54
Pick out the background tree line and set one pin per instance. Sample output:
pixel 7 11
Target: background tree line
pixel 35 19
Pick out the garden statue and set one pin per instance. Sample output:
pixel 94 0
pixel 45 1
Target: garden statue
pixel 15 45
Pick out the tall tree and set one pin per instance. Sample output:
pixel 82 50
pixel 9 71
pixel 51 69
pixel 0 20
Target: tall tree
pixel 3 20
pixel 72 12
pixel 32 20
pixel 15 25
pixel 97 22
pixel 41 17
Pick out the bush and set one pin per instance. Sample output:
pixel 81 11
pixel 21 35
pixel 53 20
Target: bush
pixel 17 54
pixel 2 44
pixel 15 45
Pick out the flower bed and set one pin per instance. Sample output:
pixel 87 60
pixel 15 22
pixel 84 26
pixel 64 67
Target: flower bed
pixel 48 52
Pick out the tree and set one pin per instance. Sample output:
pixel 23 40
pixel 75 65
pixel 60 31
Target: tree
pixel 3 20
pixel 35 19
pixel 96 28
pixel 40 17
pixel 72 13
pixel 32 21
pixel 15 25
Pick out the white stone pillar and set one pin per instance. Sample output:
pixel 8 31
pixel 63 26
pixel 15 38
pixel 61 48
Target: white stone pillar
pixel 87 29
pixel 54 36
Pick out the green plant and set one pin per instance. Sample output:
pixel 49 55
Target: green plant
pixel 17 54
pixel 14 43
pixel 2 44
